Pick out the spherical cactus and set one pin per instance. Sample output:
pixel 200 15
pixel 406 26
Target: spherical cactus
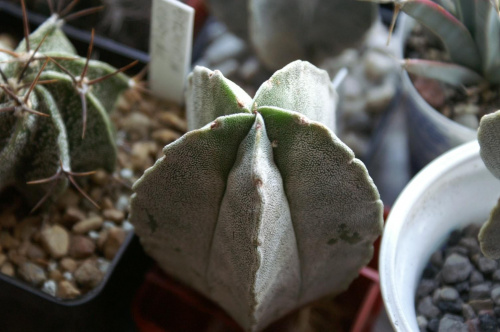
pixel 263 209
pixel 54 109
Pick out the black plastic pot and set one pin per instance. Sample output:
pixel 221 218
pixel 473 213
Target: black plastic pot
pixel 108 306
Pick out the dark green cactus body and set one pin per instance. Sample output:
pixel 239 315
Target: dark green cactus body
pixel 33 147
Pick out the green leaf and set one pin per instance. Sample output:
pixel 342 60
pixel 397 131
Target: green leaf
pixel 443 71
pixel 454 35
pixel 210 95
pixel 465 10
pixel 488 35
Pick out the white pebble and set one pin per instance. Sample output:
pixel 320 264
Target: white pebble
pixel 227 46
pixel 52 266
pixel 68 276
pixel 126 173
pixel 108 224
pixel 103 264
pixel 249 68
pixel 122 203
pixel 127 226
pixel 93 235
pixel 50 287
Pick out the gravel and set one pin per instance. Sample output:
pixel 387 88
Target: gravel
pixel 460 289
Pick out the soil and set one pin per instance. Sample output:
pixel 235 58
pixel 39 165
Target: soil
pixel 450 101
pixel 30 244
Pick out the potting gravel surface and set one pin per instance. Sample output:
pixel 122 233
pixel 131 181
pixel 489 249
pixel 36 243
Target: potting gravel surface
pixel 66 249
pixel 460 288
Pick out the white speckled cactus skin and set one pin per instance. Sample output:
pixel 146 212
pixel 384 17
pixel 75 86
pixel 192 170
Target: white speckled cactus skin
pixel 262 209
pixel 281 31
pixel 34 147
pixel 489 141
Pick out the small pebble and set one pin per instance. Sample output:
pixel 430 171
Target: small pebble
pixel 87 225
pixel 467 311
pixel 114 215
pixel 422 323
pixel 7 241
pixel 487 323
pixel 127 226
pixel 50 287
pixel 8 269
pixel 32 273
pixel 427 308
pixel 81 247
pixel 476 277
pixel 73 215
pixel 56 275
pixel 452 324
pixel 3 258
pixel 165 136
pixel 68 264
pixel 126 173
pixel 35 252
pixel 100 177
pixel 93 235
pixel 448 294
pixel 495 295
pixel 88 274
pixel 116 237
pixel 480 292
pixel 173 121
pixel 68 276
pixel 486 265
pixel 66 290
pixel 480 305
pixel 55 239
pixel 456 268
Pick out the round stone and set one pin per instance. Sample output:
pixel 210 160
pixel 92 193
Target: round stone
pixel 456 268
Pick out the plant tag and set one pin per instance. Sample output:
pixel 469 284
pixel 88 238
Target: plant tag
pixel 170 48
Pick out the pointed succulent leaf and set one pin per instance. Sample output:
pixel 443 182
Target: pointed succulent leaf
pixel 443 71
pixel 487 34
pixel 464 11
pixel 489 138
pixel 454 34
pixel 97 149
pixel 489 235
pixel 210 95
pixel 55 39
pixel 301 87
pixel 254 209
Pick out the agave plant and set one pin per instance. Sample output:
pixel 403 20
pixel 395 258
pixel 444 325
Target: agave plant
pixel 470 33
pixel 54 105
pixel 260 206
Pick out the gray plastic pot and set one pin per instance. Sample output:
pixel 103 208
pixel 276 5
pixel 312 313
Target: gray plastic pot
pixel 454 190
pixel 430 133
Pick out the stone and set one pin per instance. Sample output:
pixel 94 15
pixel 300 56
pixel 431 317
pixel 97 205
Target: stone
pixel 486 265
pixel 103 265
pixel 8 219
pixel 66 290
pixel 172 120
pixel 81 247
pixel 479 305
pixel 32 273
pixel 476 277
pixel 68 264
pixel 107 203
pixel 487 323
pixel 480 291
pixel 73 215
pixel 127 226
pixel 471 244
pixel 451 323
pixel 427 308
pixel 7 269
pixel 137 125
pixel 116 237
pixel 495 276
pixel 35 252
pixel 142 155
pixel 377 65
pixel 422 323
pixel 25 229
pixel 433 325
pixel 165 136
pixel 88 274
pixel 114 215
pixel 456 268
pixel 68 276
pixel 50 287
pixel 7 241
pixel 86 225
pixel 55 275
pixel 16 258
pixel 55 240
pixel 437 258
pixel 452 307
pixel 467 311
pixel 100 177
pixel 228 46
pixel 495 295
pixel 448 294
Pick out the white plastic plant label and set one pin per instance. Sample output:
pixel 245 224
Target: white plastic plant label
pixel 170 48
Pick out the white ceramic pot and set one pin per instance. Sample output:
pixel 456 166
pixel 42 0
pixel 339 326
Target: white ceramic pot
pixel 454 190
pixel 430 133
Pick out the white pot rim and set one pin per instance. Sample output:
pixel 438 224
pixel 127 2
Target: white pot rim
pixel 400 212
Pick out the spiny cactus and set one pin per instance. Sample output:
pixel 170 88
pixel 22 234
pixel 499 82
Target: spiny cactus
pixel 262 209
pixel 470 32
pixel 282 31
pixel 489 140
pixel 54 118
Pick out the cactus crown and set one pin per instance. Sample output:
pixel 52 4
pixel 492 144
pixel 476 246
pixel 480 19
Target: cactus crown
pixel 54 106
pixel 260 206
pixel 470 32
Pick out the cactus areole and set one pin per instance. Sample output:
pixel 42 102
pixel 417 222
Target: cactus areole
pixel 54 114
pixel 260 206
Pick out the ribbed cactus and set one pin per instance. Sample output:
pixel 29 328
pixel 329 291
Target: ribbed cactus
pixel 489 140
pixel 54 114
pixel 262 209
pixel 470 32
pixel 282 31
